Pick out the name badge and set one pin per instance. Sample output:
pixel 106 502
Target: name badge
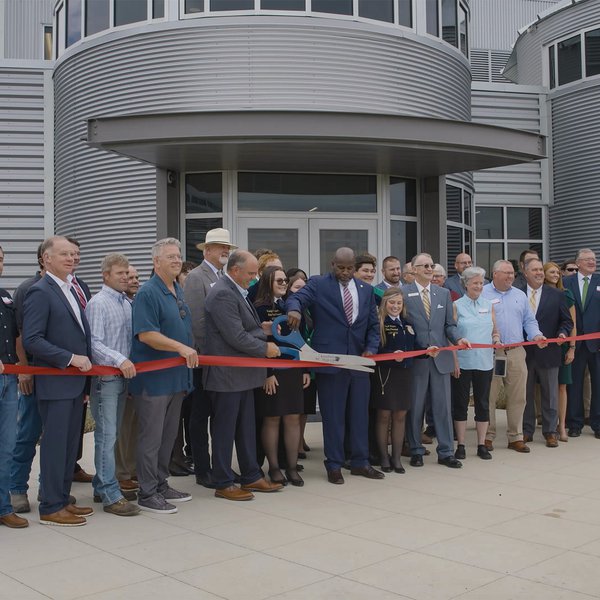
pixel 495 301
pixel 7 301
pixel 598 288
pixel 413 294
pixel 213 284
pixel 440 306
pixel 483 311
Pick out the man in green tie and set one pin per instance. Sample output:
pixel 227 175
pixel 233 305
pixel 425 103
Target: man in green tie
pixel 585 286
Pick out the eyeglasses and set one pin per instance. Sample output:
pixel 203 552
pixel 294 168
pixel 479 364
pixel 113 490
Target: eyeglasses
pixel 572 269
pixel 281 281
pixel 426 266
pixel 181 307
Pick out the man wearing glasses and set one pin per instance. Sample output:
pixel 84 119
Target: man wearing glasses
pixel 461 262
pixel 430 310
pixel 585 287
pixel 162 328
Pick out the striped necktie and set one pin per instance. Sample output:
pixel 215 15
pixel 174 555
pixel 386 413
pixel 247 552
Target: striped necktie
pixel 79 292
pixel 347 303
pixel 426 302
pixel 532 301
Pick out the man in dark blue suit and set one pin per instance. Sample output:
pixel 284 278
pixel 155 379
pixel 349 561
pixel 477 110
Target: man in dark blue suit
pixel 549 307
pixel 585 287
pixel 56 334
pixel 345 320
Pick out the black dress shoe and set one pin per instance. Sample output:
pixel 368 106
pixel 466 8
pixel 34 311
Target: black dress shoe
pixel 416 460
pixel 205 479
pixel 450 461
pixel 398 468
pixel 387 469
pixel 369 472
pixel 574 432
pixel 301 455
pixel 460 452
pixel 294 478
pixel 483 452
pixel 335 476
pixel 346 465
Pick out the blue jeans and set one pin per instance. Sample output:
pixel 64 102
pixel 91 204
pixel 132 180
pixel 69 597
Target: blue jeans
pixel 8 436
pixel 28 430
pixel 107 403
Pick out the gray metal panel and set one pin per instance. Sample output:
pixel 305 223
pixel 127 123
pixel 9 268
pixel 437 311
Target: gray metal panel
pixel 24 21
pixel 509 106
pixel 21 171
pixel 575 215
pixel 507 17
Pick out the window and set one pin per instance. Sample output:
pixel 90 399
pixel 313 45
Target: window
pixel 569 60
pixel 195 233
pixel 403 197
pixel 463 30
pixel 193 6
pixel 337 7
pixel 73 22
pixel 275 192
pixel 58 46
pixel 130 11
pixel 283 4
pixel 432 17
pixel 231 5
pixel 552 65
pixel 449 28
pixel 405 13
pixel 97 15
pixel 459 229
pixel 592 53
pixel 47 42
pixel 158 9
pixel 381 10
pixel 403 218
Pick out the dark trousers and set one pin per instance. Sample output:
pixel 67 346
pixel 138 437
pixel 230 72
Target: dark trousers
pixel 344 395
pixel 233 421
pixel 199 417
pixel 461 391
pixel 548 380
pixel 61 424
pixel 77 466
pixel 575 415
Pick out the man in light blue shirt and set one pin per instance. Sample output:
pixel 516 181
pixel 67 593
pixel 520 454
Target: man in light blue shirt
pixel 109 316
pixel 513 317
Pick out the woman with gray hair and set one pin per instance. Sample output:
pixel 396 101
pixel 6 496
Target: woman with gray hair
pixel 475 320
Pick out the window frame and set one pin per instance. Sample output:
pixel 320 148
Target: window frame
pixel 461 224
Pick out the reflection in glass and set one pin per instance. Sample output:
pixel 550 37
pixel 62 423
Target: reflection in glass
pixel 488 254
pixel 282 241
pixel 455 247
pixel 231 4
pixel 403 197
pixel 467 207
pixel 490 224
pixel 403 240
pixel 195 233
pixel 130 11
pixel 47 42
pixel 304 192
pixel 433 19
pixel 193 6
pixel 97 14
pixel 332 239
pixel 592 53
pixel 569 60
pixel 381 10
pixel 449 30
pixel 158 9
pixel 73 22
pixel 405 13
pixel 283 4
pixel 463 30
pixel 203 192
pixel 524 223
pixel 514 251
pixel 337 7
pixel 453 204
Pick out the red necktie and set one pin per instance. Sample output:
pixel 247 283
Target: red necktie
pixel 347 303
pixel 79 292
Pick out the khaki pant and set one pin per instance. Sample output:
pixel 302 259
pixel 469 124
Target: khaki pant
pixel 515 386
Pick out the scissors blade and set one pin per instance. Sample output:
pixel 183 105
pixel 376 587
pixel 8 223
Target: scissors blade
pixel 343 361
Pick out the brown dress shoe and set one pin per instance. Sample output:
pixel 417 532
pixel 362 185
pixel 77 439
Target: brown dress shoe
pixel 79 511
pixel 14 521
pixel 527 438
pixel 335 476
pixel 62 518
pixel 234 493
pixel 551 441
pixel 425 439
pixel 519 446
pixel 369 472
pixel 262 485
pixel 128 485
pixel 489 445
pixel 82 477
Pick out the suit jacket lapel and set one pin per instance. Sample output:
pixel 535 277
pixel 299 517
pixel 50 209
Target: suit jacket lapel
pixel 63 299
pixel 243 300
pixel 591 288
pixel 336 295
pixel 209 272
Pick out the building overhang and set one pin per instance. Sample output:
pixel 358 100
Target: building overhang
pixel 306 141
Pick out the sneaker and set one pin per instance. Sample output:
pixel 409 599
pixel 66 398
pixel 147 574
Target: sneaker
pixel 20 503
pixel 156 504
pixel 172 495
pixel 122 508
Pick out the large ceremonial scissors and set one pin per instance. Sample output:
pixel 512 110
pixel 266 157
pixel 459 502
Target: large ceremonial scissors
pixel 300 350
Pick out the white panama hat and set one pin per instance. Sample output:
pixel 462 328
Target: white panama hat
pixel 217 236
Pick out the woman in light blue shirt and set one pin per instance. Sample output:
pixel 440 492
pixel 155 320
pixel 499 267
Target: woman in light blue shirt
pixel 475 321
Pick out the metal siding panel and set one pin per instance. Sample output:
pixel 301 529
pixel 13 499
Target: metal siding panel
pixel 24 21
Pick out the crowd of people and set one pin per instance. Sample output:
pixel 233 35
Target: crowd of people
pixel 186 419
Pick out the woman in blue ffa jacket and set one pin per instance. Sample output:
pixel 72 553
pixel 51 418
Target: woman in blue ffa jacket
pixel 392 381
pixel 281 399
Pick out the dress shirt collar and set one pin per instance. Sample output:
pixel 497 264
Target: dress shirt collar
pixel 420 288
pixel 120 296
pixel 213 268
pixel 580 277
pixel 241 290
pixel 499 291
pixel 61 282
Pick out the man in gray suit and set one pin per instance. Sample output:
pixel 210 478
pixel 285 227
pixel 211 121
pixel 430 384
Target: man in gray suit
pixel 461 262
pixel 429 309
pixel 233 328
pixel 216 248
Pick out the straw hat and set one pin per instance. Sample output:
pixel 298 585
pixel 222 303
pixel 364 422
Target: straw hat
pixel 217 236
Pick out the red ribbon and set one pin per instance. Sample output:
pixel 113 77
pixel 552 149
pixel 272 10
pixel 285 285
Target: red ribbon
pixel 238 361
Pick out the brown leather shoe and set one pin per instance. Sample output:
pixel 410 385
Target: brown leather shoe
pixel 128 485
pixel 82 477
pixel 335 476
pixel 519 446
pixel 14 521
pixel 489 445
pixel 262 485
pixel 62 518
pixel 527 438
pixel 79 511
pixel 551 441
pixel 425 439
pixel 233 493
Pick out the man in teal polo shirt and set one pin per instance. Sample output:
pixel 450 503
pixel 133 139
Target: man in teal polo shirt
pixel 162 328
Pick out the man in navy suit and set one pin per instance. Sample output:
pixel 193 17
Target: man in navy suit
pixel 56 334
pixel 549 306
pixel 585 287
pixel 345 320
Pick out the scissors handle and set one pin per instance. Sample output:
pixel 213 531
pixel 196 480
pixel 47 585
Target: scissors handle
pixel 292 339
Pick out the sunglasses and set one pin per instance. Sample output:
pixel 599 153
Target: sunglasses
pixel 572 269
pixel 281 281
pixel 426 266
